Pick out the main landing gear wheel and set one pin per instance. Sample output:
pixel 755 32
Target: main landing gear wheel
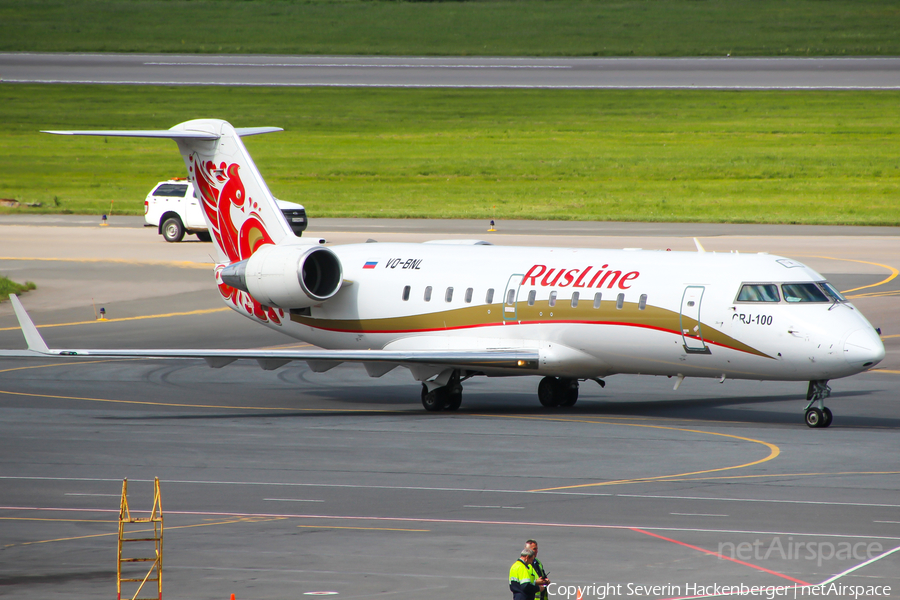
pixel 547 391
pixel 816 393
pixel 434 400
pixel 454 400
pixel 448 397
pixel 553 391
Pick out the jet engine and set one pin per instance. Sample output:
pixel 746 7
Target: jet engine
pixel 287 276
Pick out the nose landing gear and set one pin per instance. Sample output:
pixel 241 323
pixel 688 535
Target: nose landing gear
pixel 816 393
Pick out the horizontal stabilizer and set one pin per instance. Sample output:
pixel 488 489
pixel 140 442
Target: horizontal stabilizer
pixel 143 133
pixel 170 134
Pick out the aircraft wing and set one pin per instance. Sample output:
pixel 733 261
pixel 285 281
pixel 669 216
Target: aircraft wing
pixel 319 360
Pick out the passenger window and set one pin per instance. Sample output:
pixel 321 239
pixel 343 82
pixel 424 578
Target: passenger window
pixel 469 295
pixel 574 299
pixel 553 298
pixel 642 303
pixel 803 292
pixel 597 297
pixel 428 294
pixel 406 293
pixel 489 297
pixel 449 295
pixel 758 292
pixel 531 296
pixel 511 297
pixel 620 301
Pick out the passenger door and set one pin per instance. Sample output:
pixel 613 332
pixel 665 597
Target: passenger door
pixel 511 298
pixel 691 328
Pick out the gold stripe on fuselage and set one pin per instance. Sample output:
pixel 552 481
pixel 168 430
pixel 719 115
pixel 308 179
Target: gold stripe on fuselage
pixel 488 315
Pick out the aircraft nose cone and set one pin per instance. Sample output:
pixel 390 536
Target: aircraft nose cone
pixel 863 348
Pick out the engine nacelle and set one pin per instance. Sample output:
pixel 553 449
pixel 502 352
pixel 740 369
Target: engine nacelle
pixel 287 276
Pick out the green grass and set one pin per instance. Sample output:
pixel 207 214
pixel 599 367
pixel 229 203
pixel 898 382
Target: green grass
pixel 483 28
pixel 7 287
pixel 701 156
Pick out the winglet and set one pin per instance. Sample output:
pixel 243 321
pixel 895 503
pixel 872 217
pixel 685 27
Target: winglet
pixel 700 248
pixel 34 340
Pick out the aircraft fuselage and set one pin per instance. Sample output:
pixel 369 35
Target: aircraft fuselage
pixel 592 313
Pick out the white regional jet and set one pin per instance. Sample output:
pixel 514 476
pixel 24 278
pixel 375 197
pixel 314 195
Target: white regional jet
pixel 451 310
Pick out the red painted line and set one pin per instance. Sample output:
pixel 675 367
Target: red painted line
pixel 722 556
pixel 515 322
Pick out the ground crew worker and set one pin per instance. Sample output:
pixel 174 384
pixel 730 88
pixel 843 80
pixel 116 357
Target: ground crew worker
pixel 542 580
pixel 522 578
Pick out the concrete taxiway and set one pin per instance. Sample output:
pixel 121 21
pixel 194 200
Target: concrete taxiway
pixel 455 71
pixel 288 483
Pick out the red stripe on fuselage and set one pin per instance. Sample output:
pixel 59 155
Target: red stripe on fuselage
pixel 513 323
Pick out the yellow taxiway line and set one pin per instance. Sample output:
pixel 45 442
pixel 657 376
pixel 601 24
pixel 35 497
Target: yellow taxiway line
pixel 204 311
pixel 184 264
pixel 774 451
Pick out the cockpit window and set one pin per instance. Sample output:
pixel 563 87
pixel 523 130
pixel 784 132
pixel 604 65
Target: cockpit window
pixel 803 292
pixel 832 292
pixel 758 292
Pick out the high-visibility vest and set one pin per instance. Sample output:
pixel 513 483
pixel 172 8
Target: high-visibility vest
pixel 538 567
pixel 522 579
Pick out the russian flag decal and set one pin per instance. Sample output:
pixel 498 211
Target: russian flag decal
pixel 370 264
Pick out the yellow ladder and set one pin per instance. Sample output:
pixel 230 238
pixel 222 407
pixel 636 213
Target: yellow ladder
pixel 128 537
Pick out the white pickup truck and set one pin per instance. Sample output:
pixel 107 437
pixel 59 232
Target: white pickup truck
pixel 172 207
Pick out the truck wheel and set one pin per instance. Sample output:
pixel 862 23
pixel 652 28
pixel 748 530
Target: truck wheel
pixel 173 230
pixel 204 236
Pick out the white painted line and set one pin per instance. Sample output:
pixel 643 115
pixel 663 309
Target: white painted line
pixel 696 515
pixel 318 485
pixel 441 576
pixel 470 522
pixel 760 500
pixel 895 522
pixel 506 507
pixel 860 566
pixel 461 85
pixel 351 65
pixel 450 489
pixel 290 500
